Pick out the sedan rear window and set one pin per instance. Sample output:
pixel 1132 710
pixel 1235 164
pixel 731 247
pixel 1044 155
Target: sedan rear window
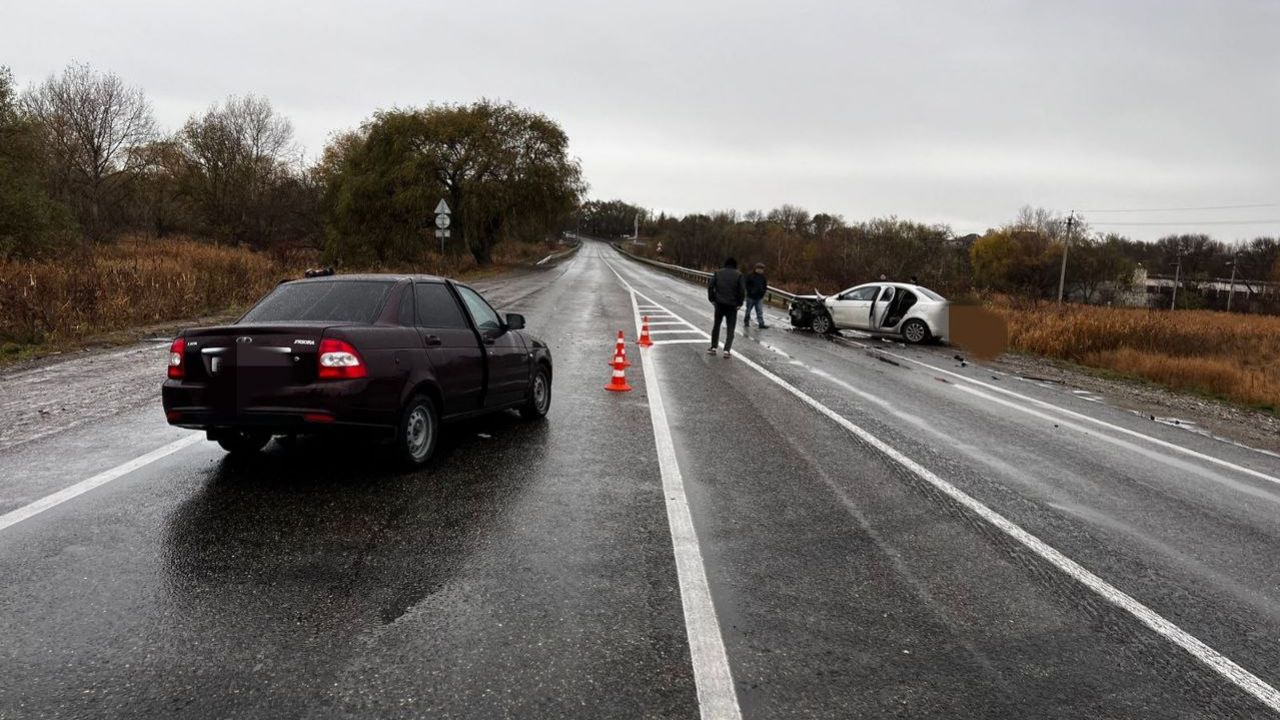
pixel 930 294
pixel 357 301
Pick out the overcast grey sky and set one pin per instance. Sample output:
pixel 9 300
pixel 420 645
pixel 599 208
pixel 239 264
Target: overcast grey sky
pixel 937 111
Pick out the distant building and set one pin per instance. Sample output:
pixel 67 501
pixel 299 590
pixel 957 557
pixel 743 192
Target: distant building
pixel 1135 293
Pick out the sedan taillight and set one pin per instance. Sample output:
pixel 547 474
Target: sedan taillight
pixel 177 359
pixel 340 361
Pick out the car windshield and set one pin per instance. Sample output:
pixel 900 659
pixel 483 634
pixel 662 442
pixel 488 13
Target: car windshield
pixel 358 301
pixel 930 294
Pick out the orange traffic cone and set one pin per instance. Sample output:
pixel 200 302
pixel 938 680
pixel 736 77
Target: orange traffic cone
pixel 644 334
pixel 619 381
pixel 620 353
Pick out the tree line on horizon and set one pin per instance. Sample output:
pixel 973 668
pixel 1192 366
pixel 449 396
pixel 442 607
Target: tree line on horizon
pixel 808 251
pixel 83 160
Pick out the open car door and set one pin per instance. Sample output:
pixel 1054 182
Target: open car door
pixel 852 309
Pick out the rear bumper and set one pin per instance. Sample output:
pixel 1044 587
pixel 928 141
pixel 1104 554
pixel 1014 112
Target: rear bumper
pixel 340 405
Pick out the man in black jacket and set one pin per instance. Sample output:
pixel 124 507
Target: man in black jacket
pixel 726 291
pixel 757 286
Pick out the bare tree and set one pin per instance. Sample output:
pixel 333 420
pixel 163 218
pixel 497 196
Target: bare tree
pixel 93 122
pixel 240 154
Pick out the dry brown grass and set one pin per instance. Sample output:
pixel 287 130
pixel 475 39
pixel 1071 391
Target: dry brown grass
pixel 1236 357
pixel 62 302
pixel 132 283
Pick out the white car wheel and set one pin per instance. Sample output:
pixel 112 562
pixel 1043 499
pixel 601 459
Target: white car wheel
pixel 915 332
pixel 822 324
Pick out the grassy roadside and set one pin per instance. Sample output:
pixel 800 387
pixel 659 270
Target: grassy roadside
pixel 1215 354
pixel 119 294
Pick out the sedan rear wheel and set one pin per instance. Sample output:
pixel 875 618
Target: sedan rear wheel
pixel 418 431
pixel 822 324
pixel 539 396
pixel 915 332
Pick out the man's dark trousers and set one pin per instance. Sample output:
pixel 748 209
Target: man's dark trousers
pixel 727 313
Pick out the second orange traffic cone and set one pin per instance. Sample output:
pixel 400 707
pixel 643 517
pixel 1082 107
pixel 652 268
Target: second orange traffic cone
pixel 644 340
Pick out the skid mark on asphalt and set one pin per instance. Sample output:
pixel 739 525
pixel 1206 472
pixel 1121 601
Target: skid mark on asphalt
pixel 1219 663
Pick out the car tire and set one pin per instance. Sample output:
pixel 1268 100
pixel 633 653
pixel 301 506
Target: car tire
pixel 822 324
pixel 539 395
pixel 915 332
pixel 242 442
pixel 419 428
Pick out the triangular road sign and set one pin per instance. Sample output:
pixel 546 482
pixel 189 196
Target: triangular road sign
pixel 442 208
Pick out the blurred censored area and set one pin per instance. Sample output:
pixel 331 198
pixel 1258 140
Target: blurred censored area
pixel 978 330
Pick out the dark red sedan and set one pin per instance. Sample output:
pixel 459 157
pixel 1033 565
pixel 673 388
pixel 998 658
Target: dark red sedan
pixel 392 355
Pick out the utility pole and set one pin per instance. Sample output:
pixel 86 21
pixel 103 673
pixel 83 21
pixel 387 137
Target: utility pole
pixel 1235 261
pixel 1177 274
pixel 1062 274
pixel 635 229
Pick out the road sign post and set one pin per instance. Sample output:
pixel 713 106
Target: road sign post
pixel 442 223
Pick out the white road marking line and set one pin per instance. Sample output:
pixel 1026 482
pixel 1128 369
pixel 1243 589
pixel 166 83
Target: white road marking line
pixel 653 323
pixel 685 331
pixel 14 517
pixel 1136 449
pixel 712 677
pixel 685 341
pixel 1096 421
pixel 1221 664
pixel 1242 678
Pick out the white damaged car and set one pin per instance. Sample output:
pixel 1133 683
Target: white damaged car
pixel 913 313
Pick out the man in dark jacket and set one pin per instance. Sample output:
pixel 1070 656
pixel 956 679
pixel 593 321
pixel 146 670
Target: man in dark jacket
pixel 757 286
pixel 726 291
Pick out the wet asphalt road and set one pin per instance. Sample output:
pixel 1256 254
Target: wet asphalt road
pixel 529 570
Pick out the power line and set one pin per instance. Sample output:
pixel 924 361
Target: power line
pixel 1196 222
pixel 1180 209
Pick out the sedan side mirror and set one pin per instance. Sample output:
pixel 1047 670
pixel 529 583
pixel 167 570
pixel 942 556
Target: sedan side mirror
pixel 515 321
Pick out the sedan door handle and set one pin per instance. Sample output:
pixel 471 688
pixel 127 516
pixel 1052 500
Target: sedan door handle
pixel 488 341
pixel 431 339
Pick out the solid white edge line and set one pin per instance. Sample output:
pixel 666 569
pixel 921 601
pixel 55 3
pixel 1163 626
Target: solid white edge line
pixel 1133 447
pixel 13 517
pixel 1218 662
pixel 1081 416
pixel 717 698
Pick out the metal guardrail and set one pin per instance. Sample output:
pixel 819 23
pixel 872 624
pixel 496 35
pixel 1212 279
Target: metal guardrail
pixel 563 253
pixel 772 295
